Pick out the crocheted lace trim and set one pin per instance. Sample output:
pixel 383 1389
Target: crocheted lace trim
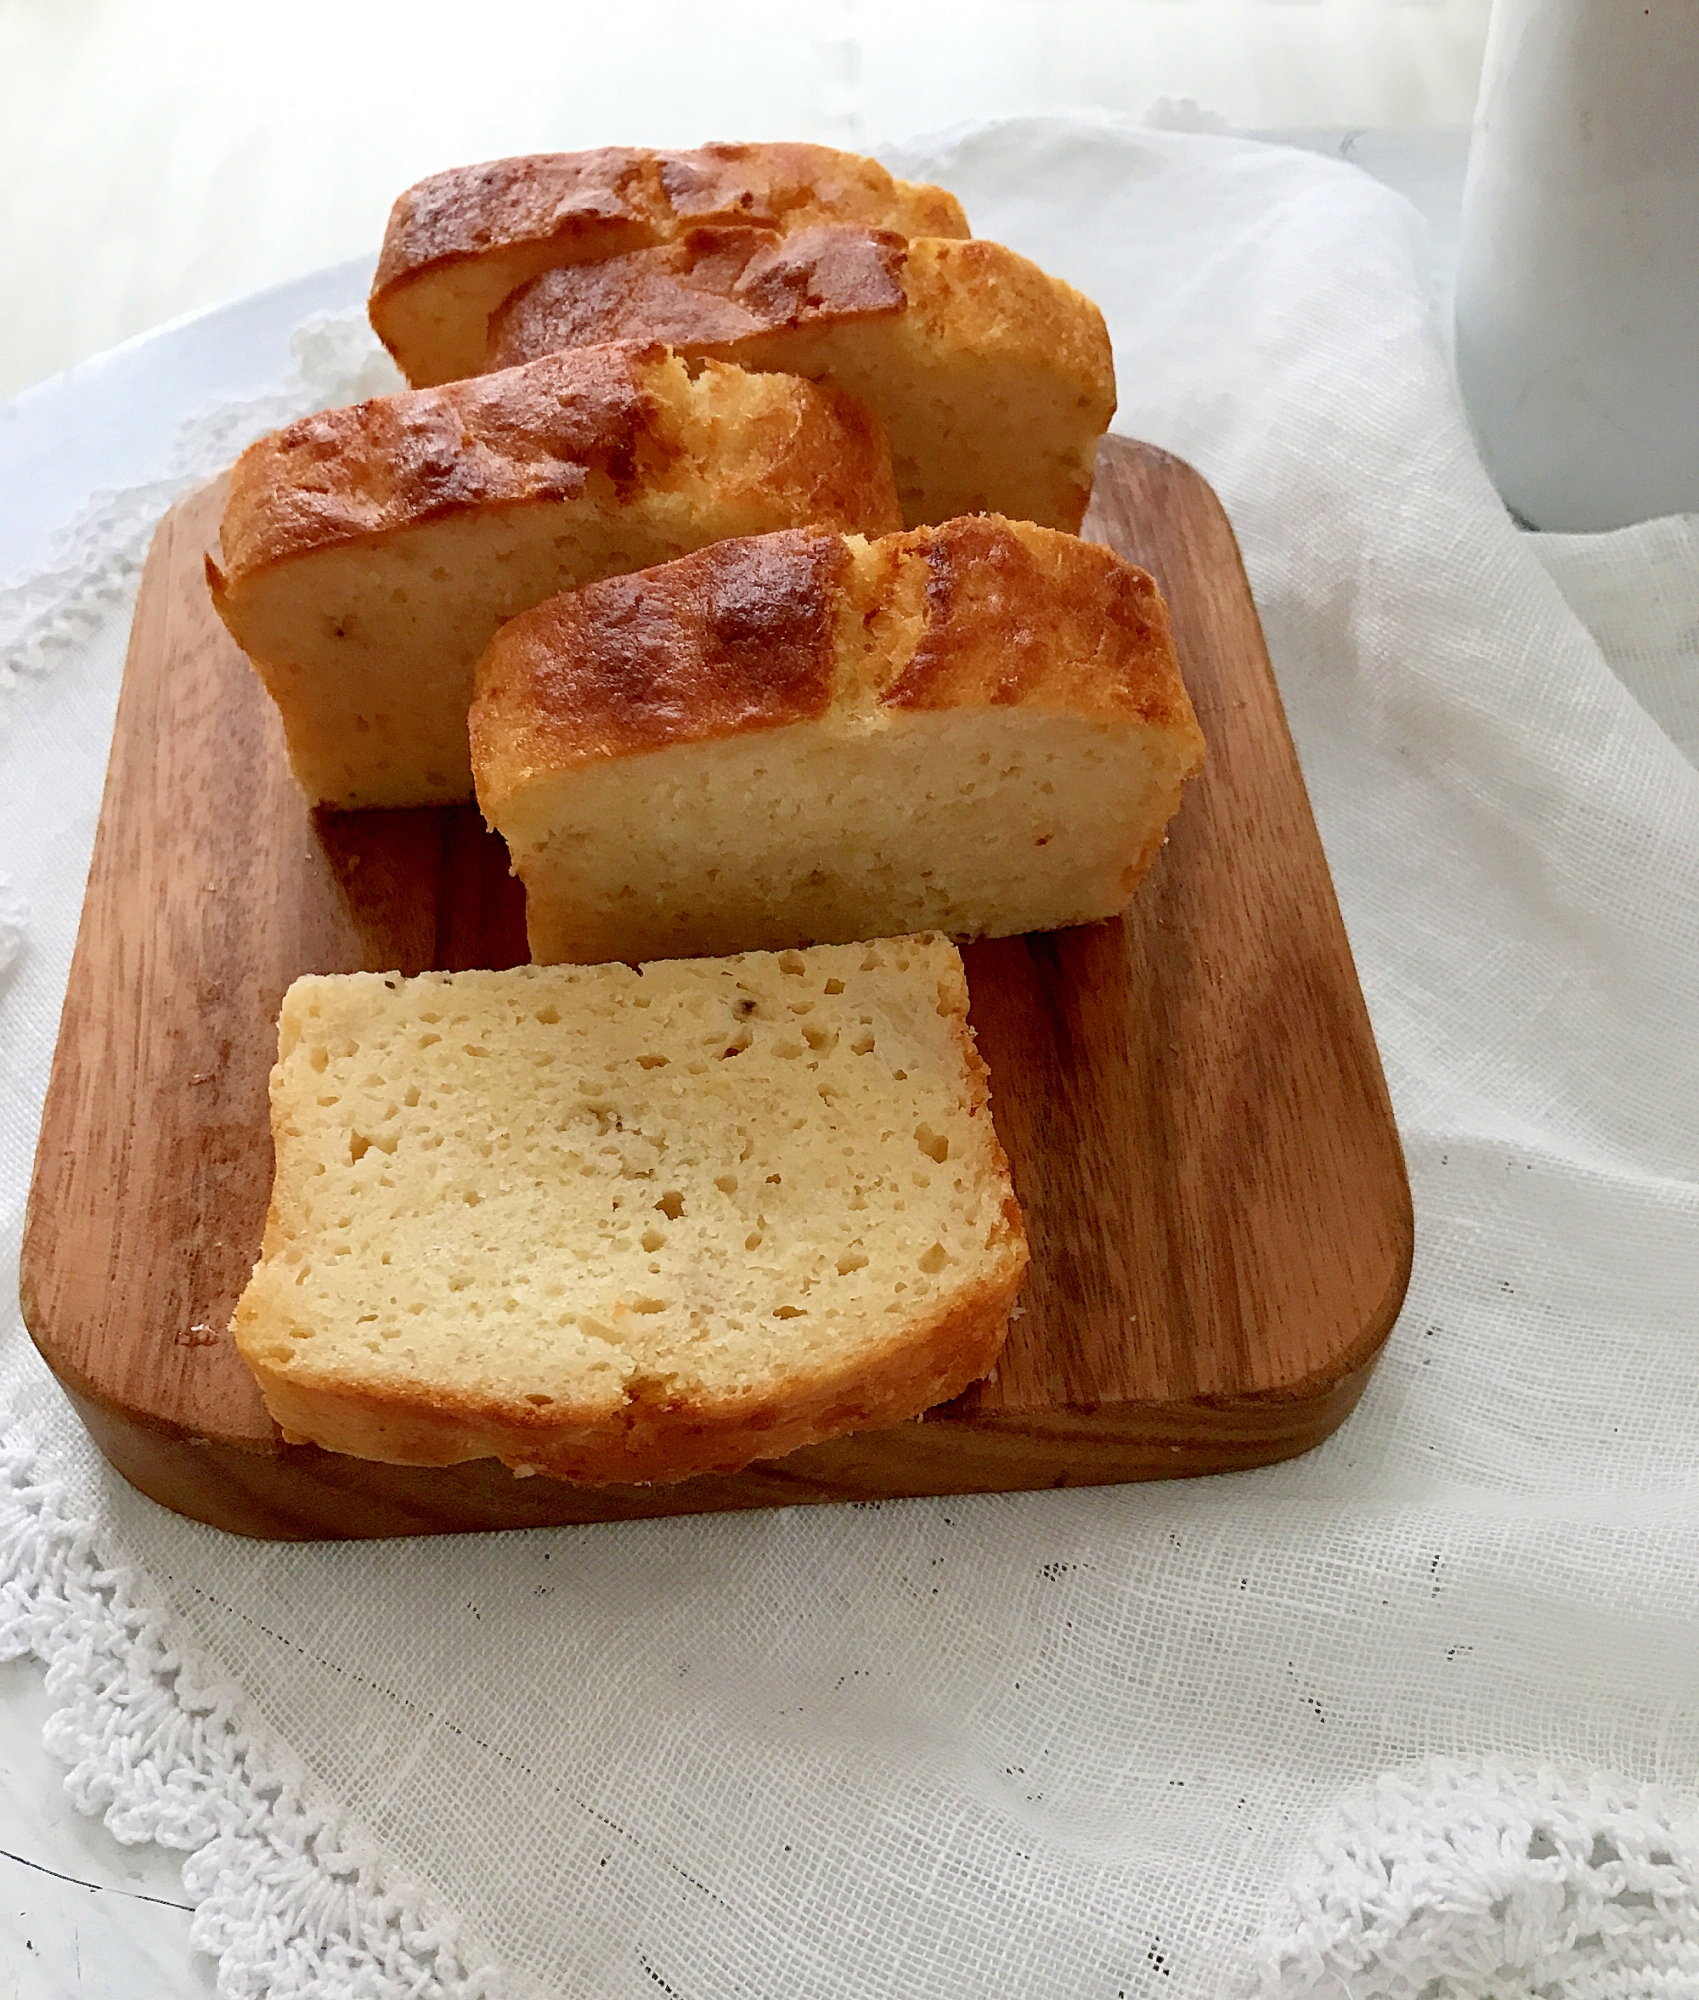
pixel 1482 1882
pixel 290 1900
pixel 96 560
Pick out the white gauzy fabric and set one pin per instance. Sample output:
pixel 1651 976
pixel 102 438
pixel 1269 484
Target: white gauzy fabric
pixel 1416 1716
pixel 1637 592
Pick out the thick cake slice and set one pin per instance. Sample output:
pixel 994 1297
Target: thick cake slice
pixel 804 738
pixel 369 553
pixel 994 380
pixel 458 243
pixel 622 1225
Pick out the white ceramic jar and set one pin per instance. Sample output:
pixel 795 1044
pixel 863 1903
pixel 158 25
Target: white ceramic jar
pixel 1578 269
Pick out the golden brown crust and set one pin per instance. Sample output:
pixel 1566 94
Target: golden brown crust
pixel 617 196
pixel 1019 614
pixel 533 433
pixel 842 463
pixel 735 637
pixel 539 433
pixel 659 1435
pixel 1009 614
pixel 611 194
pixel 709 287
pixel 790 186
pixel 994 379
pixel 540 210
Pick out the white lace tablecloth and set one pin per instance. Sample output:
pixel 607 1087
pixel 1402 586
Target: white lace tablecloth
pixel 1416 1716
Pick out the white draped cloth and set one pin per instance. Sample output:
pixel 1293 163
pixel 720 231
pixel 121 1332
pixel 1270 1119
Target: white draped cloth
pixel 1415 1716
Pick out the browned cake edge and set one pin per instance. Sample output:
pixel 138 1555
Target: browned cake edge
pixel 536 433
pixel 742 636
pixel 659 1438
pixel 531 433
pixel 618 198
pixel 724 293
pixel 705 289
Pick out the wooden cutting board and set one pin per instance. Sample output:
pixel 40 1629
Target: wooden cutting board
pixel 1190 1098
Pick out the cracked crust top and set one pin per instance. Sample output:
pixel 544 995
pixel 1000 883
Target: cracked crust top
pixel 540 432
pixel 773 629
pixel 707 288
pixel 460 242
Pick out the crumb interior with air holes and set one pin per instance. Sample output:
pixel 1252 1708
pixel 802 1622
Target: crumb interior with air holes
pixel 623 1224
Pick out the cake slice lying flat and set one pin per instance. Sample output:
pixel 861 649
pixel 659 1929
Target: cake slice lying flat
pixel 803 738
pixel 994 380
pixel 367 554
pixel 458 243
pixel 623 1225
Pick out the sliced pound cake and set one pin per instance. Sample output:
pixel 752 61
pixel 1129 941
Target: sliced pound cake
pixel 622 1225
pixel 804 738
pixel 368 554
pixel 994 380
pixel 458 243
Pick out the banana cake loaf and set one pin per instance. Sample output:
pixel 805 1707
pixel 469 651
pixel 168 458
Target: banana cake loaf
pixel 623 1225
pixel 368 554
pixel 807 737
pixel 458 243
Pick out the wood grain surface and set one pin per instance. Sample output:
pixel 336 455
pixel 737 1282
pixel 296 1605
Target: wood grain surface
pixel 1190 1097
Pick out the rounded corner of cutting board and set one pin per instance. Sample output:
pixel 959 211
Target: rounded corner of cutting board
pixel 1320 1401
